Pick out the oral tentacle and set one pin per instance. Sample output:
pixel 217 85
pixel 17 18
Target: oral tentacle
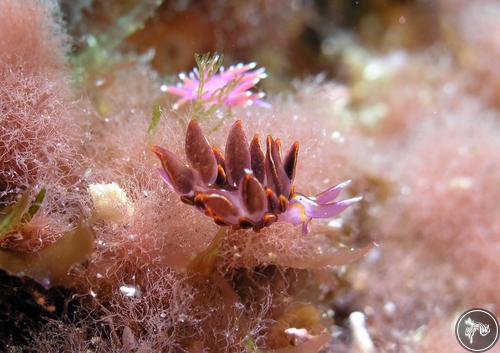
pixel 305 226
pixel 331 194
pixel 176 90
pixel 329 210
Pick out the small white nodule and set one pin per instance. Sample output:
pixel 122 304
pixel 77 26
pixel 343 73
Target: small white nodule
pixel 362 339
pixel 130 291
pixel 110 202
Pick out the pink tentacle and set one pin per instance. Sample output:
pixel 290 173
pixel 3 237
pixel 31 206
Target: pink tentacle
pixel 178 91
pixel 329 210
pixel 331 194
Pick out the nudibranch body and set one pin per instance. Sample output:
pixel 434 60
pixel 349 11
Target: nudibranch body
pixel 236 80
pixel 245 187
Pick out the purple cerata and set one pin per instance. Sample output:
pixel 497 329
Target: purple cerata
pixel 245 188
